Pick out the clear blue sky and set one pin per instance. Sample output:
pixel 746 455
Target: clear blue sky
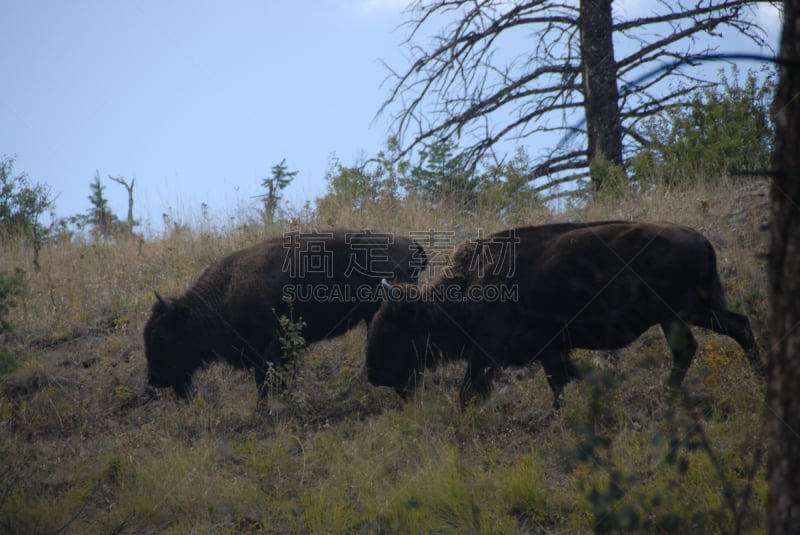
pixel 197 100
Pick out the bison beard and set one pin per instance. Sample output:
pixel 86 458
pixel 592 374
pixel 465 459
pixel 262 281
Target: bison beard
pixel 231 312
pixel 595 286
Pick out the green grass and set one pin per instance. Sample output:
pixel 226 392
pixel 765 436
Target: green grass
pixel 83 448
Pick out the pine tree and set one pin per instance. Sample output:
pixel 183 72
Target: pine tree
pixel 100 215
pixel 281 177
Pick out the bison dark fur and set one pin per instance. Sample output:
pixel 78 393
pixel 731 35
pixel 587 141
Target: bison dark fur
pixel 594 286
pixel 231 312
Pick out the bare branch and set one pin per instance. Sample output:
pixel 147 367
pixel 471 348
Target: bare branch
pixel 470 84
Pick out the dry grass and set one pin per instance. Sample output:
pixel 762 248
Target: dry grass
pixel 84 448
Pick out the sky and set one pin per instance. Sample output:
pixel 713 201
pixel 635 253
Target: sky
pixel 197 100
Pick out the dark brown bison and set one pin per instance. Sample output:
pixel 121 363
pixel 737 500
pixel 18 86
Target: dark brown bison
pixel 534 293
pixel 231 312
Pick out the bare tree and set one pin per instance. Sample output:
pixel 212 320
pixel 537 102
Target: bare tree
pixel 129 187
pixel 465 85
pixel 783 399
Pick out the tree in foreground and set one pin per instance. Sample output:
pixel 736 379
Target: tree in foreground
pixel 579 65
pixel 783 401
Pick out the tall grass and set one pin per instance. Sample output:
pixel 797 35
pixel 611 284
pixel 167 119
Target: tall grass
pixel 85 448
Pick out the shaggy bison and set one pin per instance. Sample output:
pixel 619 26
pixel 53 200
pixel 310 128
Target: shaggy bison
pixel 231 312
pixel 534 293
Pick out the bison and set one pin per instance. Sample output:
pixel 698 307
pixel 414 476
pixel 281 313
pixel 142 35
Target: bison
pixel 535 293
pixel 232 311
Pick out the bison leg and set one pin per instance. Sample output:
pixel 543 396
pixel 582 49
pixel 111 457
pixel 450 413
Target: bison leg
pixel 559 370
pixel 477 383
pixel 407 390
pixel 183 388
pixel 683 345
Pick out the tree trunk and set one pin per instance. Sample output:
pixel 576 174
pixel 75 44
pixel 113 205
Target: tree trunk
pixel 783 390
pixel 270 202
pixel 129 188
pixel 129 219
pixel 601 97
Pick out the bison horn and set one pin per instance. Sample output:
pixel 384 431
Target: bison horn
pixel 160 299
pixel 392 292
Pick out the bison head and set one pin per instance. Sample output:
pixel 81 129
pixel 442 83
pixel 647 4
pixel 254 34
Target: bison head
pixel 394 350
pixel 405 259
pixel 168 343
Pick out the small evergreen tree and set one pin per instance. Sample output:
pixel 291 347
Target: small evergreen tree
pixel 442 175
pixel 506 186
pixel 100 216
pixel 280 179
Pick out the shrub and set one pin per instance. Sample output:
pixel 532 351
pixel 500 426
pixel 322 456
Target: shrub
pixel 725 129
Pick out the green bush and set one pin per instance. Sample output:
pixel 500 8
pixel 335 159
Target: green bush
pixel 725 129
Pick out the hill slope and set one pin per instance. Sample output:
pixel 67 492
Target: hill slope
pixel 86 447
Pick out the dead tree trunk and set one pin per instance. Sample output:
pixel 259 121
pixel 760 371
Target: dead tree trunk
pixel 601 97
pixel 783 390
pixel 129 187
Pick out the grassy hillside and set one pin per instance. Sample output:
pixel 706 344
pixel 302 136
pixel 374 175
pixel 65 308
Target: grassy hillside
pixel 85 448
